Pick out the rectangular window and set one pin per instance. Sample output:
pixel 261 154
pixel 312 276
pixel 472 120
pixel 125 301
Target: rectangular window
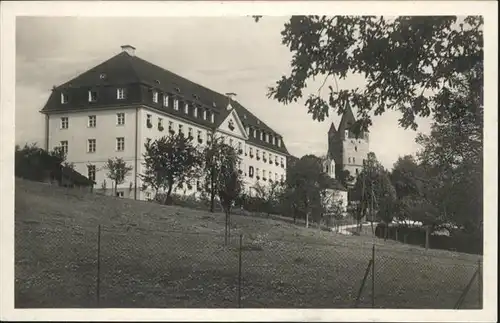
pixel 155 96
pixel 205 114
pixel 186 108
pixel 120 144
pixel 247 130
pixel 180 129
pixel 279 142
pixel 92 96
pixel 91 172
pixel 212 117
pixel 64 146
pixel 261 135
pixel 209 137
pixel 176 104
pixel 274 140
pixel 64 123
pixel 120 94
pixel 160 123
pixel 190 132
pixel 149 123
pixel 170 126
pixel 92 121
pixel 200 140
pixel 195 112
pixel 91 145
pixel 354 160
pixel 64 98
pixel 255 133
pixel 120 119
pixel 165 100
pixel 230 142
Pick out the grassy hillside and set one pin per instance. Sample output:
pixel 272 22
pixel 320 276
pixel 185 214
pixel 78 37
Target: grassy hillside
pixel 162 256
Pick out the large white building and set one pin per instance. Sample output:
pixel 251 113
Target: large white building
pixel 112 110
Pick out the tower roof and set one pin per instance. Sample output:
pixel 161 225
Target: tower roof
pixel 347 118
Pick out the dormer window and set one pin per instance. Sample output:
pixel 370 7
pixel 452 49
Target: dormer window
pixel 92 96
pixel 176 105
pixel 255 131
pixel 120 94
pixel 346 133
pixel 155 96
pixel 247 130
pixel 212 117
pixel 261 136
pixel 186 108
pixel 279 141
pixel 64 98
pixel 205 114
pixel 195 112
pixel 165 100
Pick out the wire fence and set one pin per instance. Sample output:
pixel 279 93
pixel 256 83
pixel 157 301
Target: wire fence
pixel 139 267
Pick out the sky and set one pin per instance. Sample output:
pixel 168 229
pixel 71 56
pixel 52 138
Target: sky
pixel 230 54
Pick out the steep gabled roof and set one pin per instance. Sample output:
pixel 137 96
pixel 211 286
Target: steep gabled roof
pixel 332 128
pixel 347 118
pixel 124 69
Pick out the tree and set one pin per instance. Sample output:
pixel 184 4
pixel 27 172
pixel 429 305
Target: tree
pixel 305 181
pixel 374 191
pixel 268 195
pixel 216 156
pixel 409 63
pixel 229 187
pixel 33 162
pixel 169 160
pixel 117 171
pixel 407 176
pixel 453 154
pixel 332 206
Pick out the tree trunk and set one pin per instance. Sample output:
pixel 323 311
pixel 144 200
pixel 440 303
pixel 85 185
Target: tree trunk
pixel 212 191
pixel 427 234
pixel 168 197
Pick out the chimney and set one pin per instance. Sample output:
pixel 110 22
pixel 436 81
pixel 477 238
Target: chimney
pixel 230 96
pixel 129 49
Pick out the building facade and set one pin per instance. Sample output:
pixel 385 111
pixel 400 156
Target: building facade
pixel 346 150
pixel 114 108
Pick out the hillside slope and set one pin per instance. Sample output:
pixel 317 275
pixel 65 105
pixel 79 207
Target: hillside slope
pixel 165 256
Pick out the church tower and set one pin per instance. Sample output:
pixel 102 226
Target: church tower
pixel 347 150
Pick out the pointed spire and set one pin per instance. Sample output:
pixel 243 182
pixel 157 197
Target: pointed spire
pixel 347 118
pixel 332 129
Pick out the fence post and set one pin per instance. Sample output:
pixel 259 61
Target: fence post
pixel 373 276
pixel 480 283
pixel 239 270
pixel 98 280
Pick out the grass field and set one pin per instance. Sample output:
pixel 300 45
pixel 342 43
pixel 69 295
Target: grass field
pixel 157 256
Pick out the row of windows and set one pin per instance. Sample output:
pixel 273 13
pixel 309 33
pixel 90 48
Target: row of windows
pixel 198 112
pixel 92 121
pixel 265 175
pixel 266 157
pixel 263 136
pixel 92 95
pixel 92 145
